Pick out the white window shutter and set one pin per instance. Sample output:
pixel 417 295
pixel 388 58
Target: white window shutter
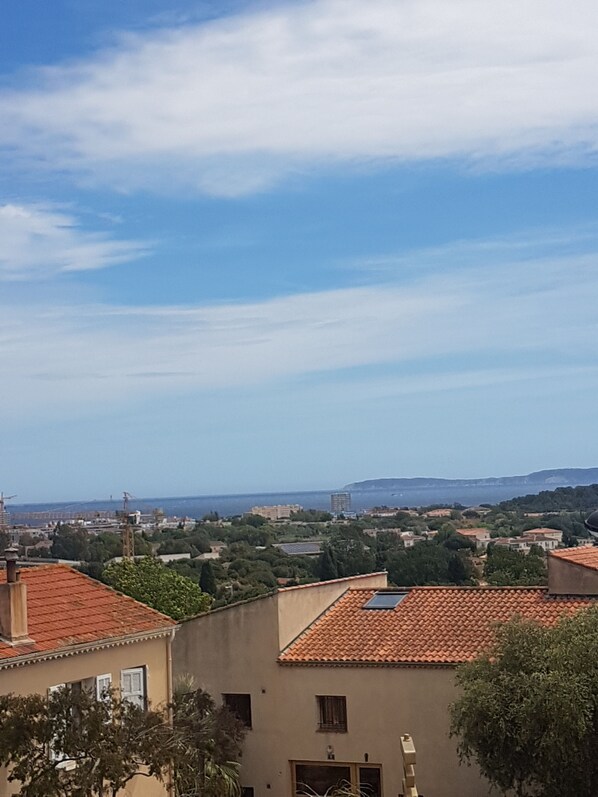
pixel 54 753
pixel 132 686
pixel 103 684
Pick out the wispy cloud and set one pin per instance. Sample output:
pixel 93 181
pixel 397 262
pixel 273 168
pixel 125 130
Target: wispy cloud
pixel 37 242
pixel 515 321
pixel 234 105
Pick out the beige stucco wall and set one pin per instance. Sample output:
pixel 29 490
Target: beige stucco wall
pixel 568 578
pixel 299 606
pixel 235 650
pixel 38 677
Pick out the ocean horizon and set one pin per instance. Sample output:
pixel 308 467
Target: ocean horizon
pixel 227 505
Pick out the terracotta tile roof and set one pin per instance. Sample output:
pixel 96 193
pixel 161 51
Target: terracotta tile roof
pixel 66 608
pixel 432 625
pixel 586 556
pixel 477 530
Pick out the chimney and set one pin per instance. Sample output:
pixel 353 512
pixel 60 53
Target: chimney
pixel 13 603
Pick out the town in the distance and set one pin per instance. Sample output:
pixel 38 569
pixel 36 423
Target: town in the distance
pixel 312 652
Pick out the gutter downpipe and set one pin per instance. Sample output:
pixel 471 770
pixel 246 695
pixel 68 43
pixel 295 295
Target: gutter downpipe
pixel 169 686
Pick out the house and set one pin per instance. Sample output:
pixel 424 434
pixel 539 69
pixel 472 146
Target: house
pixel 480 536
pixel 547 539
pixel 437 513
pixel 57 626
pixel 328 676
pixel 520 544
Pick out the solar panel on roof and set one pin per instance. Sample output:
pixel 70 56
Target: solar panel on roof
pixel 385 600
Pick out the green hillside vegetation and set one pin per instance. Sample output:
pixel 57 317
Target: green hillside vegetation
pixel 563 499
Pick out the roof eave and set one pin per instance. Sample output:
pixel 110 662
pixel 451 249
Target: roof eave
pixel 405 664
pixel 86 647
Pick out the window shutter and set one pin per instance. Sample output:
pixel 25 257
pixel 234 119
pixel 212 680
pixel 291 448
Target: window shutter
pixel 53 752
pixel 132 686
pixel 103 684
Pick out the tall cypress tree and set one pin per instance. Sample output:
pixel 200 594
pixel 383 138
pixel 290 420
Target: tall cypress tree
pixel 327 566
pixel 207 579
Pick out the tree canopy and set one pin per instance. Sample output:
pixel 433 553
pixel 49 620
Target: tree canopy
pixel 528 710
pixel 109 741
pixel 562 499
pixel 73 743
pixel 512 568
pixel 209 739
pixel 149 581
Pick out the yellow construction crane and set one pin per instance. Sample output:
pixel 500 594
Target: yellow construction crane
pixel 3 499
pixel 128 528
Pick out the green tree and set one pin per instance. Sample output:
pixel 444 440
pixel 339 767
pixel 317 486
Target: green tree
pixel 352 551
pixel 110 741
pixel 253 520
pixel 387 543
pixel 70 542
pixel 458 572
pixel 207 579
pixel 149 581
pixel 512 568
pixel 209 740
pixel 327 566
pixel 528 708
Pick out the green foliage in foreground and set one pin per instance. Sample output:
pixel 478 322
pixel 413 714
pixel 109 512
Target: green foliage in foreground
pixel 71 744
pixel 512 568
pixel 107 743
pixel 209 739
pixel 528 711
pixel 149 581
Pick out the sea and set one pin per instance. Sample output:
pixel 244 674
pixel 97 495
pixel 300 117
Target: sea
pixel 196 506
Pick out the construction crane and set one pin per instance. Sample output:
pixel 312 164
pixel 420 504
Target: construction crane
pixel 128 528
pixel 3 499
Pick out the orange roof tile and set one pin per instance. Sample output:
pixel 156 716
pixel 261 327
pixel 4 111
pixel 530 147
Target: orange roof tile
pixel 586 556
pixel 66 608
pixel 432 625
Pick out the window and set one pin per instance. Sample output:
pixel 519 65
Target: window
pixel 103 686
pixel 247 791
pixel 132 686
pixel 97 686
pixel 318 779
pixel 333 713
pixel 385 600
pixel 54 752
pixel 239 705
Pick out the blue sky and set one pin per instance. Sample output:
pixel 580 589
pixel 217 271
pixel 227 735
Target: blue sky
pixel 252 246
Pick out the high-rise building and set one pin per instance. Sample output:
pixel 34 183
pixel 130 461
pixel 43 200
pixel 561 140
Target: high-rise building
pixel 340 502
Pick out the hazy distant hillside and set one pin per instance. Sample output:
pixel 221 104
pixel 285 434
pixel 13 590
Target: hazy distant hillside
pixel 559 477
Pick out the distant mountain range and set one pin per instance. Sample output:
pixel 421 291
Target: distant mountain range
pixel 559 477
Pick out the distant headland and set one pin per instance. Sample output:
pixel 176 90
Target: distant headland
pixel 558 477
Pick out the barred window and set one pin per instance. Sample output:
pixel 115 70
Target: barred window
pixel 333 713
pixel 240 705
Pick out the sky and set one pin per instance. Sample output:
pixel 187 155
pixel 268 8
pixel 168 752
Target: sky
pixel 272 246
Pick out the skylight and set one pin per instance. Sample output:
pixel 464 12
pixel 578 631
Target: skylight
pixel 385 600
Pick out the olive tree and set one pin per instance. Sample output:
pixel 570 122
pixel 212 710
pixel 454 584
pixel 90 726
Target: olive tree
pixel 528 708
pixel 71 744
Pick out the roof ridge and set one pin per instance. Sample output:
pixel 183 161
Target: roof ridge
pixel 336 580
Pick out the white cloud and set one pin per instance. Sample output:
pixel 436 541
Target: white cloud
pixel 38 242
pixel 512 319
pixel 233 105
